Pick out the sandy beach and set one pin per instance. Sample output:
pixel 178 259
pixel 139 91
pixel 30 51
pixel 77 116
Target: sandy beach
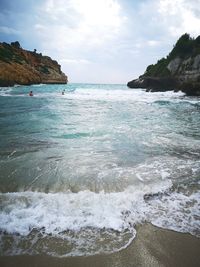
pixel 152 247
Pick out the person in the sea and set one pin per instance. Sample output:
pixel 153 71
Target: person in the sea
pixel 31 93
pixel 63 92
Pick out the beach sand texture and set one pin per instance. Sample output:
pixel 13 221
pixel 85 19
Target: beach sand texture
pixel 152 247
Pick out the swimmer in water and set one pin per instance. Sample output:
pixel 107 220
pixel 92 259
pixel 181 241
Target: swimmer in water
pixel 31 93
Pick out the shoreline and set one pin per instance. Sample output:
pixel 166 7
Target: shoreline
pixel 152 247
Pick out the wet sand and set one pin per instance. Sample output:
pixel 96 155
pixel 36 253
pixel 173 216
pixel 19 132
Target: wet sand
pixel 152 247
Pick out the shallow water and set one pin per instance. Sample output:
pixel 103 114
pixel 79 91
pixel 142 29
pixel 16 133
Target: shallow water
pixel 79 171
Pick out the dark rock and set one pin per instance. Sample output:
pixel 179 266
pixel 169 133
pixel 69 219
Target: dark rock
pixel 191 89
pixel 154 84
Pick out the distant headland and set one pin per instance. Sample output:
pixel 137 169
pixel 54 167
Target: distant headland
pixel 19 66
pixel 180 70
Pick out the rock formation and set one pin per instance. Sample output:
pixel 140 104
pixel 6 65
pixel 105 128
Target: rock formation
pixel 19 66
pixel 180 70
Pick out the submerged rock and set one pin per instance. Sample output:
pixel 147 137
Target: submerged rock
pixel 19 66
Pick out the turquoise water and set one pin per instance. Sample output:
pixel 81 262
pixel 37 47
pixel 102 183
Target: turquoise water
pixel 80 170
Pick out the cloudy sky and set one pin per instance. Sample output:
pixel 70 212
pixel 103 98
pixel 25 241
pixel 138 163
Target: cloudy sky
pixel 99 41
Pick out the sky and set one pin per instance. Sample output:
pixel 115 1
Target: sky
pixel 99 41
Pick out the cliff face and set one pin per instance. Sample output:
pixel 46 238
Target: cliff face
pixel 180 70
pixel 19 66
pixel 187 73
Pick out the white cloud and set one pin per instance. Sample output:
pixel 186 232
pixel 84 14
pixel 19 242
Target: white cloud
pixel 74 61
pixel 164 20
pixel 40 27
pixel 104 37
pixel 99 13
pixel 180 16
pixel 153 43
pixel 8 30
pixel 79 32
pixel 76 22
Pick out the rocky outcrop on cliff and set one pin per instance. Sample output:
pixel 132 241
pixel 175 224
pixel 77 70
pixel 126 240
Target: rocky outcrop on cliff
pixel 154 84
pixel 180 70
pixel 19 66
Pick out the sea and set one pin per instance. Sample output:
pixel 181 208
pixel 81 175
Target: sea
pixel 80 172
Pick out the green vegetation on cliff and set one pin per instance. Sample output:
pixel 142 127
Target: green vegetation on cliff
pixel 8 54
pixel 184 48
pixel 180 70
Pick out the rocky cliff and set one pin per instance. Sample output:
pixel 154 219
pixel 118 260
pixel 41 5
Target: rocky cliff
pixel 19 66
pixel 180 70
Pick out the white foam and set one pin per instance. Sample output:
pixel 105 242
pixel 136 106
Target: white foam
pixel 87 214
pixel 38 85
pixel 178 212
pixel 121 95
pixel 4 91
pixel 68 211
pixel 100 94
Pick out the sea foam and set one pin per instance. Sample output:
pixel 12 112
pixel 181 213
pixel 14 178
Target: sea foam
pixel 84 217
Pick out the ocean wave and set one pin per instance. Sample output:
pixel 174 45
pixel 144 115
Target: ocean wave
pixel 101 94
pixel 84 168
pixel 81 219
